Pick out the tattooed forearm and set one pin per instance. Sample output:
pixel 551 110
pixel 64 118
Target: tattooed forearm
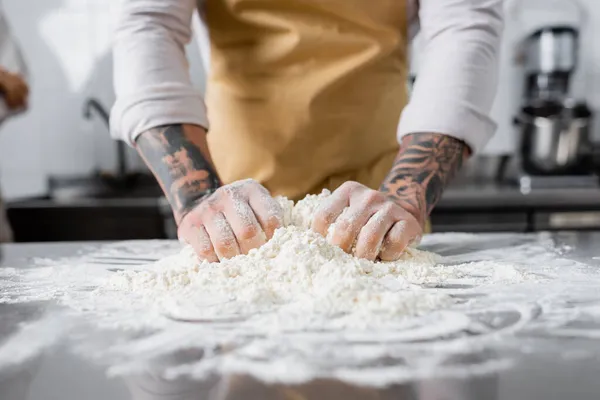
pixel 425 164
pixel 179 158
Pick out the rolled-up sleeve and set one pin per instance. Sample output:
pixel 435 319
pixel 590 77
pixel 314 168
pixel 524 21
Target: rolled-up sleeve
pixel 458 71
pixel 151 77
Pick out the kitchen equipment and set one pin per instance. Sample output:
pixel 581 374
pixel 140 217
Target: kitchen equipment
pixel 550 60
pixel 548 52
pixel 554 126
pixel 555 138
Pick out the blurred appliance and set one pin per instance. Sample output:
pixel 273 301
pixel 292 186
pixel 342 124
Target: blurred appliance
pixel 554 128
pixel 555 138
pixel 550 60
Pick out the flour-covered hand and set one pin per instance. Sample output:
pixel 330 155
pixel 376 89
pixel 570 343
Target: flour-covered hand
pixel 366 223
pixel 233 220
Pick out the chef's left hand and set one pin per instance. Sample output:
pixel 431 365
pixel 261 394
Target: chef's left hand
pixel 366 223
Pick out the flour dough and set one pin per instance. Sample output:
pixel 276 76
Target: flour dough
pixel 296 278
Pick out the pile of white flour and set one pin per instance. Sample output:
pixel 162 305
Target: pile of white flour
pixel 298 308
pixel 297 274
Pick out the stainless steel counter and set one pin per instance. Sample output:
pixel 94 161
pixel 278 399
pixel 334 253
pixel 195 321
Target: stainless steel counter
pixel 464 207
pixel 544 367
pixel 491 207
pixel 492 195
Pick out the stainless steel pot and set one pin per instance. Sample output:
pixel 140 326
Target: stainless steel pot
pixel 555 138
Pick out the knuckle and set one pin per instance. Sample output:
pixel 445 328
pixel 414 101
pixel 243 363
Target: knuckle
pixel 327 215
pixel 342 226
pixel 189 220
pixel 219 191
pixel 373 195
pixel 205 253
pixel 322 217
pixel 370 198
pixel 274 221
pixel 248 231
pixel 343 239
pixel 244 185
pixel 371 237
pixel 225 243
pixel 369 244
pixel 350 185
pixel 391 242
pixel 232 193
pixel 211 202
pixel 398 230
pixel 254 185
pixel 389 209
pixel 204 245
pixel 209 215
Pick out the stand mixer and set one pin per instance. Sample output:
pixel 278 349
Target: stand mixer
pixel 554 127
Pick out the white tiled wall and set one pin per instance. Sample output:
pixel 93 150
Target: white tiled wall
pixel 67 46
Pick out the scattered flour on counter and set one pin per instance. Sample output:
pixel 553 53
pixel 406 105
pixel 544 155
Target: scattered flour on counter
pixel 298 308
pixel 297 276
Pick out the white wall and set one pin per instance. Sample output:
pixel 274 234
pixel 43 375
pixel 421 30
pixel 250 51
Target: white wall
pixel 521 18
pixel 524 16
pixel 67 46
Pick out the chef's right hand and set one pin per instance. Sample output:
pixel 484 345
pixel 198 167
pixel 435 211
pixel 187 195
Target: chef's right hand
pixel 233 220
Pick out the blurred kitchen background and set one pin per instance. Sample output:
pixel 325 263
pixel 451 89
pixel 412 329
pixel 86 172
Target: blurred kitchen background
pixel 65 179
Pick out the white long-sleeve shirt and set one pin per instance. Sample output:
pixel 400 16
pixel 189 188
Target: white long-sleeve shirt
pixel 453 94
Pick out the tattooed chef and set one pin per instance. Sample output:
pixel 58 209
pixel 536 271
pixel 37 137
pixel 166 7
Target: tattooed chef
pixel 304 95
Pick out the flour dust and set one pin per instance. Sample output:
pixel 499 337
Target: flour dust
pixel 298 308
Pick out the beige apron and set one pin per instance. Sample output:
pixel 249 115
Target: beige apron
pixel 305 94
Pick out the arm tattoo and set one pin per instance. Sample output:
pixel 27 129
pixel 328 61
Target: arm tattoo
pixel 425 164
pixel 181 163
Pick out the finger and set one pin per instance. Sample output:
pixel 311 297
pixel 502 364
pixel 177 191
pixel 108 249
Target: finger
pixel 330 210
pixel 198 238
pixel 13 100
pixel 243 222
pixel 398 238
pixel 268 212
pixel 371 236
pixel 221 235
pixel 345 230
pixel 22 98
pixel 10 100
